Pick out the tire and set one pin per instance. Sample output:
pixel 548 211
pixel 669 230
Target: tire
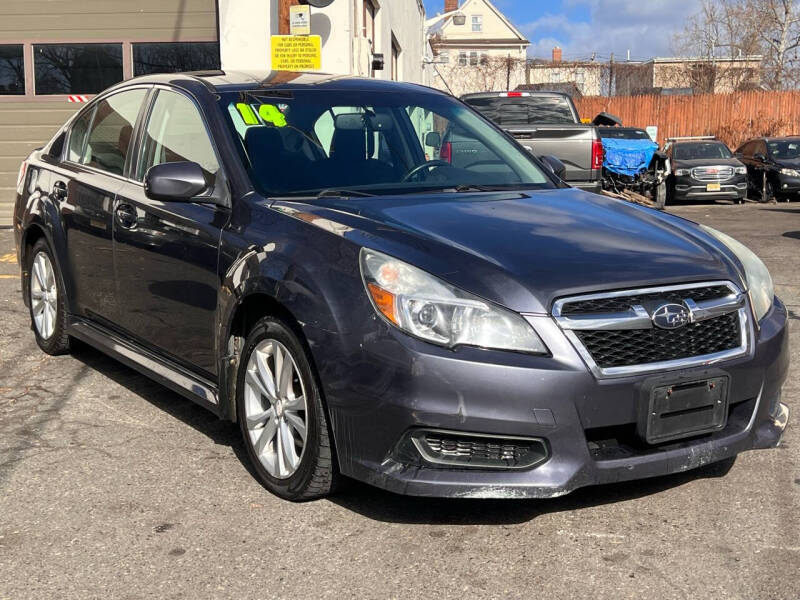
pixel 661 195
pixel 767 193
pixel 287 465
pixel 48 313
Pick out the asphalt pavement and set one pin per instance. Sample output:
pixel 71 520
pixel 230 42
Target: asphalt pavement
pixel 112 486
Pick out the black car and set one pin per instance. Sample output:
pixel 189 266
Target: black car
pixel 703 168
pixel 773 167
pixel 282 250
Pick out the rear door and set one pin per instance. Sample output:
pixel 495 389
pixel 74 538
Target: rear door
pixel 84 186
pixel 166 252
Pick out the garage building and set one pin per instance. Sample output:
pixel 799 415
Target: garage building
pixel 56 54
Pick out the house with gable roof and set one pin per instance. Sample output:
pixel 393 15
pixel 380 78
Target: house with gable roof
pixel 476 48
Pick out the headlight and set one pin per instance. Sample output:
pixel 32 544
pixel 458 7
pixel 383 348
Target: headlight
pixel 790 172
pixel 740 170
pixel 683 172
pixel 428 308
pixel 759 281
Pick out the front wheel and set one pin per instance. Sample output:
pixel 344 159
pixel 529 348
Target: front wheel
pixel 281 415
pixel 767 191
pixel 46 301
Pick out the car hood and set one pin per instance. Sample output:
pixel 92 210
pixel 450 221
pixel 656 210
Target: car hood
pixel 524 250
pixel 790 163
pixel 707 162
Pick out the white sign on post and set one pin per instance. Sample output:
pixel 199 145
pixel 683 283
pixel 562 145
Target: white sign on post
pixel 652 131
pixel 300 20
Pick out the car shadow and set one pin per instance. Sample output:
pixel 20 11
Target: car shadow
pixel 377 504
pixel 792 234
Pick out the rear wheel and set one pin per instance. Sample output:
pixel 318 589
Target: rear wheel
pixel 281 415
pixel 46 301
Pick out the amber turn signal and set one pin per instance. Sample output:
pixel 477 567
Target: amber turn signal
pixel 384 301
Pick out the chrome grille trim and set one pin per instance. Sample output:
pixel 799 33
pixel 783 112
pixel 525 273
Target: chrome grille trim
pixel 634 319
pixel 702 173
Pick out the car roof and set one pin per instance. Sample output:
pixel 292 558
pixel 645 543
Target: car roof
pixel 527 93
pixel 233 81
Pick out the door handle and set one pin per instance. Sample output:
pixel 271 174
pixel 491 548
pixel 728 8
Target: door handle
pixel 126 216
pixel 60 190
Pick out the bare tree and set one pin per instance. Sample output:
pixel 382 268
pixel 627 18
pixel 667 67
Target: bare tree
pixel 777 24
pixel 737 28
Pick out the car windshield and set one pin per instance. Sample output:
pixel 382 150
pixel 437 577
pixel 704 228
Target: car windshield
pixel 309 142
pixel 700 150
pixel 784 149
pixel 524 110
pixel 620 133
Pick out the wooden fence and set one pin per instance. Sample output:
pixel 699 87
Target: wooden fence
pixel 733 118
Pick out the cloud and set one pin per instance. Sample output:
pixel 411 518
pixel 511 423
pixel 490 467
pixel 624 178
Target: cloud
pixel 646 28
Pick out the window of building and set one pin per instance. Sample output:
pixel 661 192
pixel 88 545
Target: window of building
pixel 473 58
pixel 176 133
pixel 370 15
pixel 555 76
pixel 112 131
pixel 175 57
pixel 444 58
pixel 395 59
pixel 477 23
pixel 484 58
pixel 462 59
pixel 76 68
pixel 12 70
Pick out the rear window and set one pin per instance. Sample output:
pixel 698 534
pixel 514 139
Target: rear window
pixel 525 110
pixel 623 134
pixel 700 150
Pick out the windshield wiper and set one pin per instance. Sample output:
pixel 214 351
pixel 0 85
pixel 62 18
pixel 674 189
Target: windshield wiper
pixel 337 193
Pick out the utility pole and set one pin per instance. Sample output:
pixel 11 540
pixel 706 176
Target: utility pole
pixel 611 75
pixel 283 15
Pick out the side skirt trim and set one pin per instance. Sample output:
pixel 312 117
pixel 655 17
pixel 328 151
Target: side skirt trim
pixel 167 374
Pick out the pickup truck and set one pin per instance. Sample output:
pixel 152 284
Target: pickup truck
pixel 545 123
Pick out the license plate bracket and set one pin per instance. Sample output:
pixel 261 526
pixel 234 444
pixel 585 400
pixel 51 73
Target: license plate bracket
pixel 683 409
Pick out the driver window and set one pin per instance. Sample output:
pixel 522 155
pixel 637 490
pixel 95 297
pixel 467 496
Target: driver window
pixel 176 133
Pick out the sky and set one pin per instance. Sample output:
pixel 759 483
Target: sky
pixel 583 27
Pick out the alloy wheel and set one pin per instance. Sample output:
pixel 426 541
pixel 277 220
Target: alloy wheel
pixel 275 408
pixel 44 295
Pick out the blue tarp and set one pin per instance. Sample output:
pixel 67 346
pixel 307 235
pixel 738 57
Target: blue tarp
pixel 628 157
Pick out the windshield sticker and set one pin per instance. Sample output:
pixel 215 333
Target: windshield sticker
pixel 248 114
pixel 271 114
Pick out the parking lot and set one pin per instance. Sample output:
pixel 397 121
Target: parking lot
pixel 114 487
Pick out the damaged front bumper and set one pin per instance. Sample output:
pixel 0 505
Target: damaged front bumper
pixel 397 387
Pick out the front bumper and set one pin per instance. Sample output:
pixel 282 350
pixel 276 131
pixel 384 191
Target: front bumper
pixel 688 188
pixel 787 185
pixel 393 385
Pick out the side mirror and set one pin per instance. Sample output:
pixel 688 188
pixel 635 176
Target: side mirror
pixel 433 139
pixel 175 182
pixel 555 165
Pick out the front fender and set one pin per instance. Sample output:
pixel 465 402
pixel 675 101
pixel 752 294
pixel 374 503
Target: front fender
pixel 309 274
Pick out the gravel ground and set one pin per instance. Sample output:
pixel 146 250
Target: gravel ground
pixel 114 487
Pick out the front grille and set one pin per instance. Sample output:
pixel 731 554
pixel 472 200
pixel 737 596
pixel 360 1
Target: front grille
pixel 619 348
pixel 712 173
pixel 478 451
pixel 623 303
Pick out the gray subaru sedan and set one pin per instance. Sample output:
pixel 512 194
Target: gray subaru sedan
pixel 300 255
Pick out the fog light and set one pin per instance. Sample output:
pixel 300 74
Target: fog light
pixel 455 449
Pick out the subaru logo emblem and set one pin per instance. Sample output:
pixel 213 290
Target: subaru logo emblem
pixel 671 316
